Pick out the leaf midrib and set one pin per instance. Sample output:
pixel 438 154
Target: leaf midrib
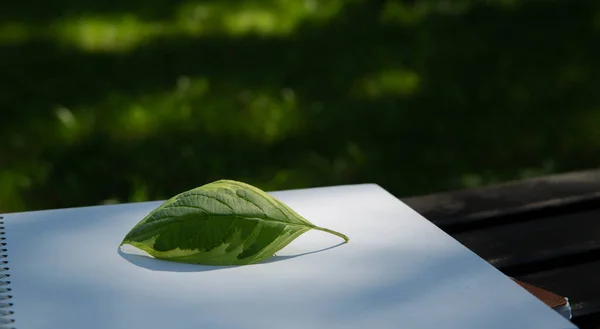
pixel 258 192
pixel 225 215
pixel 230 216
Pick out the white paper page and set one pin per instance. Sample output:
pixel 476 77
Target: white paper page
pixel 397 271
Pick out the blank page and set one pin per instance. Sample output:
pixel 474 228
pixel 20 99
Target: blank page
pixel 397 271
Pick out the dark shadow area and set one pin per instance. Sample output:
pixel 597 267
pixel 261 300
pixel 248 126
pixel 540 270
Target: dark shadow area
pixel 417 99
pixel 154 264
pixel 39 12
pixel 276 258
pixel 163 265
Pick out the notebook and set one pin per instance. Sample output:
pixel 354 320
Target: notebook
pixel 558 303
pixel 398 271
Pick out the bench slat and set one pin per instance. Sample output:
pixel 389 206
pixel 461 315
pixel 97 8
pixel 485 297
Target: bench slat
pixel 458 210
pixel 543 231
pixel 537 245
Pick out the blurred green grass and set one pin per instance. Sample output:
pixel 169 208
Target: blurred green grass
pixel 105 101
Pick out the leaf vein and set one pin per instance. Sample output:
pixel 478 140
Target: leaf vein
pixel 252 203
pixel 206 196
pixel 250 235
pixel 198 233
pixel 229 228
pixel 262 196
pixel 175 206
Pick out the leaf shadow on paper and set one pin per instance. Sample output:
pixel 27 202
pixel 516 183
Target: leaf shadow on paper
pixel 154 264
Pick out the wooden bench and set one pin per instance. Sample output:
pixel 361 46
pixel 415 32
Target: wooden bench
pixel 543 231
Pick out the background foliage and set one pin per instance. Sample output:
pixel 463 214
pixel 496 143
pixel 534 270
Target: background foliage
pixel 113 101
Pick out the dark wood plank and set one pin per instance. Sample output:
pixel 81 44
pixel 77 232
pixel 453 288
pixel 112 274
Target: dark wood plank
pixel 543 231
pixel 591 321
pixel 580 283
pixel 537 245
pixel 511 201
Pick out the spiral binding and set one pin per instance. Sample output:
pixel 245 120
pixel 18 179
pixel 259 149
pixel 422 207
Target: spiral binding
pixel 6 319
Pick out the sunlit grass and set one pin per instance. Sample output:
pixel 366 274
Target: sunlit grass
pixel 12 181
pixel 414 12
pixel 14 33
pixel 408 13
pixel 124 32
pixel 259 115
pixel 393 82
pixel 191 104
pixel 260 124
pixel 275 17
pixel 135 117
pixel 70 127
pixel 270 116
pixel 405 14
pixel 108 34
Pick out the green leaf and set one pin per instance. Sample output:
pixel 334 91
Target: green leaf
pixel 222 223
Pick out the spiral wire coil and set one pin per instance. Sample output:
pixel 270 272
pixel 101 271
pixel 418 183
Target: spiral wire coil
pixel 6 314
